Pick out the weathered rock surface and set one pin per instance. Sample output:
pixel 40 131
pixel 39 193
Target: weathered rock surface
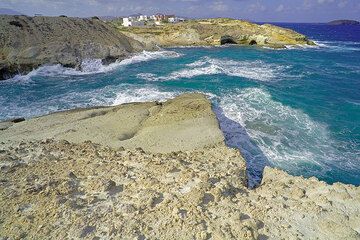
pixel 212 32
pixel 184 123
pixel 58 190
pixel 54 189
pixel 28 42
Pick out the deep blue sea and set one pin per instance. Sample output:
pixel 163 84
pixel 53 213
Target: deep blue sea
pixel 297 109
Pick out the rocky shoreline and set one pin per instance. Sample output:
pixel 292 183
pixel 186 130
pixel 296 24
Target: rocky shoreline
pixel 154 171
pixel 215 32
pixel 30 42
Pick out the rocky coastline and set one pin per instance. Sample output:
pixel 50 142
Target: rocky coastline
pixel 30 42
pixel 154 171
pixel 215 32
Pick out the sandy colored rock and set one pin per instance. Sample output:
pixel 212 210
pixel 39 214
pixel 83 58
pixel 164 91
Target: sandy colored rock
pixel 184 123
pixel 214 32
pixel 59 190
pixel 71 189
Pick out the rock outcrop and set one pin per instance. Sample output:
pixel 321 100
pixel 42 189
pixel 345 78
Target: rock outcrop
pixel 184 123
pixel 59 189
pixel 213 32
pixel 28 42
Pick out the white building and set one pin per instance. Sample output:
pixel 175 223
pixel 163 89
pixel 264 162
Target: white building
pixel 143 18
pixel 127 22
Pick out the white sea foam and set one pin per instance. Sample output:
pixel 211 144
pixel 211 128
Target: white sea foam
pixel 255 70
pixel 334 46
pixel 287 138
pixel 147 94
pixel 93 66
pixel 106 96
pixel 142 95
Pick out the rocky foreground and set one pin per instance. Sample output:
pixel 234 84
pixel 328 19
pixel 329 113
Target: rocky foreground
pixel 68 187
pixel 215 32
pixel 29 42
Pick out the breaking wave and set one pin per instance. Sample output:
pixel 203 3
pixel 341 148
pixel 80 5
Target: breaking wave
pixel 278 135
pixel 254 70
pixel 332 46
pixel 93 66
pixel 142 95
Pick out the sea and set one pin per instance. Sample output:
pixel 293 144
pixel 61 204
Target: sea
pixel 297 109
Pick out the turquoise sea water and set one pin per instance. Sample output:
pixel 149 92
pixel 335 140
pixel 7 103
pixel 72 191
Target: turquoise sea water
pixel 297 109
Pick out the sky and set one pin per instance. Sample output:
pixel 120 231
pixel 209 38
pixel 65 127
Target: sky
pixel 254 10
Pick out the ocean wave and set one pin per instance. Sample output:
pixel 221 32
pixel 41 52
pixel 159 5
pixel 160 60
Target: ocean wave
pixel 94 66
pixel 337 46
pixel 106 96
pixel 303 46
pixel 149 94
pixel 334 46
pixel 255 70
pixel 144 94
pixel 274 133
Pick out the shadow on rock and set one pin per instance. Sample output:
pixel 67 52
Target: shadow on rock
pixel 237 137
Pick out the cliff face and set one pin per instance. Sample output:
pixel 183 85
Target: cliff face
pixel 212 32
pixel 58 189
pixel 28 42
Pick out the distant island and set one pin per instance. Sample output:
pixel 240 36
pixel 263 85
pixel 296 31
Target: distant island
pixel 344 22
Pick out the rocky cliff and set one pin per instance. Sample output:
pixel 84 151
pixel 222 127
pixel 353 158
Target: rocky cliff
pixel 212 32
pixel 28 42
pixel 140 189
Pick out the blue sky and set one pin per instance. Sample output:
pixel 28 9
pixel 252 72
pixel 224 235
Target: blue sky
pixel 256 10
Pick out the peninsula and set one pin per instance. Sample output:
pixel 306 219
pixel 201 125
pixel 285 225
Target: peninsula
pixel 155 170
pixel 215 32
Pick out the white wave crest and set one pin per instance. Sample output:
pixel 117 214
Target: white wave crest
pixel 143 95
pixel 333 46
pixel 255 70
pixel 93 66
pixel 287 138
